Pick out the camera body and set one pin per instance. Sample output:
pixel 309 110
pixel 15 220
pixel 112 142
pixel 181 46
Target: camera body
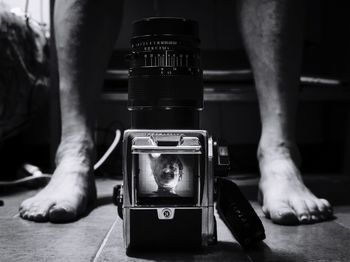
pixel 168 189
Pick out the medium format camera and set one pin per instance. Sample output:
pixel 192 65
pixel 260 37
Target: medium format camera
pixel 168 189
pixel 167 198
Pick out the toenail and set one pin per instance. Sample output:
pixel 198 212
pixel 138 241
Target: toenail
pixel 303 218
pixel 313 217
pixel 264 209
pixel 283 213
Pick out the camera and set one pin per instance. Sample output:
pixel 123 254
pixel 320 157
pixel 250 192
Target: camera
pixel 168 189
pixel 167 197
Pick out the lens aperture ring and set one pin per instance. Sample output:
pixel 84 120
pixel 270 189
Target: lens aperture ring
pixel 164 59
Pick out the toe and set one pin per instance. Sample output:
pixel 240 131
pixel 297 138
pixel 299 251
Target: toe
pixel 32 211
pixel 24 214
pixel 62 214
pixel 266 211
pixel 39 214
pixel 325 208
pixel 40 217
pixel 36 210
pixel 24 208
pixel 25 204
pixel 315 215
pixel 21 211
pixel 327 205
pixel 301 210
pixel 283 215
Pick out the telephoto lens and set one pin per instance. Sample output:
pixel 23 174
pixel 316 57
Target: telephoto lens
pixel 165 88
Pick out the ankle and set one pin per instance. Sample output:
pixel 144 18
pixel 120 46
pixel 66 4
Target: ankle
pixel 270 150
pixel 78 148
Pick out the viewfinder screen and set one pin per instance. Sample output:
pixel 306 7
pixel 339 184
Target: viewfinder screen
pixel 166 178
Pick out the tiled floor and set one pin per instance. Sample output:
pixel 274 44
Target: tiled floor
pixel 98 237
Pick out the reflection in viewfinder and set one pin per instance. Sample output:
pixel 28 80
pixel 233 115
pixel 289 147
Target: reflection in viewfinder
pixel 166 175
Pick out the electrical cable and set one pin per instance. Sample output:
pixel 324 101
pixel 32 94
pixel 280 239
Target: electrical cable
pixel 109 150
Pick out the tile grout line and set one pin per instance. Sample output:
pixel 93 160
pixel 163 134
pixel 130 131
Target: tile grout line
pixel 103 244
pixel 342 225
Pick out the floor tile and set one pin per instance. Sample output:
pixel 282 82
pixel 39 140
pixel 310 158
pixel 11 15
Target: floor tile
pixel 343 219
pixel 325 241
pixel 226 250
pixel 22 240
pixel 12 202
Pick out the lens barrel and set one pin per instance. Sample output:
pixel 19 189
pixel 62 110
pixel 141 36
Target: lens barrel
pixel 165 76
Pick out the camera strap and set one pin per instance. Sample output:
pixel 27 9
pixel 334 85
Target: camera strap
pixel 237 213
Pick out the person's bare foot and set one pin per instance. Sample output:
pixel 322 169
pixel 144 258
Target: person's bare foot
pixel 69 191
pixel 283 196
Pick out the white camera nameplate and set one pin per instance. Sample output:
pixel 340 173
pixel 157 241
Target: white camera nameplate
pixel 165 213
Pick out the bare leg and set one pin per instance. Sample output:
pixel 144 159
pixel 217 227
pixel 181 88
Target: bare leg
pixel 272 33
pixel 85 32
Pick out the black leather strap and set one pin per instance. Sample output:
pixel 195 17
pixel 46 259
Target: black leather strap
pixel 237 213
